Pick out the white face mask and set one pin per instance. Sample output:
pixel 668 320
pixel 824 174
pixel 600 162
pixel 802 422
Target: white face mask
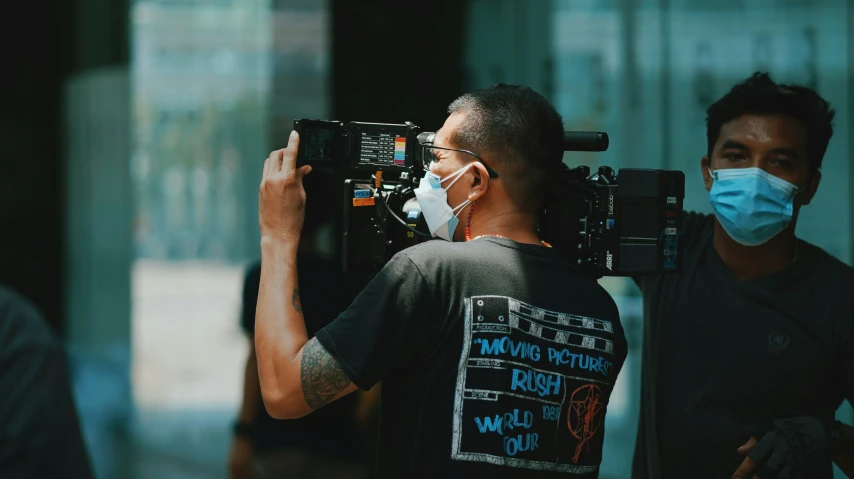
pixel 433 199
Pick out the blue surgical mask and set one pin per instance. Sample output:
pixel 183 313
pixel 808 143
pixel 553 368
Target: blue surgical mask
pixel 751 204
pixel 441 219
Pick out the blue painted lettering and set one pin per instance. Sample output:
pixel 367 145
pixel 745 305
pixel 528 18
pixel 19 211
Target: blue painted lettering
pixel 500 422
pixel 490 348
pixel 564 357
pixel 604 366
pixel 518 382
pixel 511 420
pixel 504 345
pixel 520 443
pixel 532 381
pixel 489 424
pixel 534 352
pixel 552 383
pixel 551 413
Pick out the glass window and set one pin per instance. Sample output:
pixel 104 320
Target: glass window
pixel 214 84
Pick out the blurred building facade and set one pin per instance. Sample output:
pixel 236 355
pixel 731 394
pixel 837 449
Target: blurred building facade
pixel 214 83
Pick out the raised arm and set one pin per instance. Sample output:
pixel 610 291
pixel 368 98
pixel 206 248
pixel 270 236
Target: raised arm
pixel 296 375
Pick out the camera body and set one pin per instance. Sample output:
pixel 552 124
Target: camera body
pixel 620 224
pixel 609 224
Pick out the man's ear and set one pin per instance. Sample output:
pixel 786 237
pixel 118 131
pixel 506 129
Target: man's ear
pixel 704 168
pixel 479 181
pixel 812 187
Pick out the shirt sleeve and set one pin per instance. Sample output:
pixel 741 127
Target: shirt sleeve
pixel 386 327
pixel 39 428
pixel 251 283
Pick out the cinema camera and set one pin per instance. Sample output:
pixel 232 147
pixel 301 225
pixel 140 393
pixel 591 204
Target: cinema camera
pixel 609 224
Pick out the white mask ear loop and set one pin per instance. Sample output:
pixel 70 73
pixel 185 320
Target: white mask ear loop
pixel 461 206
pixel 456 176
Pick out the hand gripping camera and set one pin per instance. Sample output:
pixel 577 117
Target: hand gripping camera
pixel 609 223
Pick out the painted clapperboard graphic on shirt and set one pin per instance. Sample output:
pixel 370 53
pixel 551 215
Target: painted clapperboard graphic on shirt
pixel 530 387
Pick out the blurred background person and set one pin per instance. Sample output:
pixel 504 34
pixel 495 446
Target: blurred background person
pixel 753 339
pixel 324 445
pixel 39 430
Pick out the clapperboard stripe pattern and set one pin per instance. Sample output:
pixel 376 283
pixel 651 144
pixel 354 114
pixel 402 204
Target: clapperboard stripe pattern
pixel 526 377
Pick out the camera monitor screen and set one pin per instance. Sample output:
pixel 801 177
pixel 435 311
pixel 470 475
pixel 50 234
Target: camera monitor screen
pixel 382 148
pixel 318 140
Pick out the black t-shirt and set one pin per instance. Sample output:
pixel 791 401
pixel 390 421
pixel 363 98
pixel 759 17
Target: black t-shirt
pixel 721 357
pixel 39 427
pixel 324 293
pixel 497 360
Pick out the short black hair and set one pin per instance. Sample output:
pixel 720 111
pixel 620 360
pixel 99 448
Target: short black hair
pixel 760 95
pixel 520 130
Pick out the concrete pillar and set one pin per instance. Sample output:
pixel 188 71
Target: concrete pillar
pixel 98 212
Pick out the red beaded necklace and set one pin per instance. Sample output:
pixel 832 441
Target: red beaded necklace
pixel 468 230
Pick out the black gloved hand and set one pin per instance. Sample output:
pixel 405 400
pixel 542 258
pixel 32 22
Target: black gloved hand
pixel 791 448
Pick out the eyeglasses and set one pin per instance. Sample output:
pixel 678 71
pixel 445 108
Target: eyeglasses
pixel 428 156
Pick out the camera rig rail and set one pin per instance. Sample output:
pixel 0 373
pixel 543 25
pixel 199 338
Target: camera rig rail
pixel 609 223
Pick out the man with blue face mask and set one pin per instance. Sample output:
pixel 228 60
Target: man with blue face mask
pixel 497 355
pixel 749 351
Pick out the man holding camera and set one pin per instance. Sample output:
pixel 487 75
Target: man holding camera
pixel 749 351
pixel 497 356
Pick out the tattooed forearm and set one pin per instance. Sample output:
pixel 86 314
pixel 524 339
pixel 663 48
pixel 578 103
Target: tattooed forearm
pixel 295 301
pixel 321 375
